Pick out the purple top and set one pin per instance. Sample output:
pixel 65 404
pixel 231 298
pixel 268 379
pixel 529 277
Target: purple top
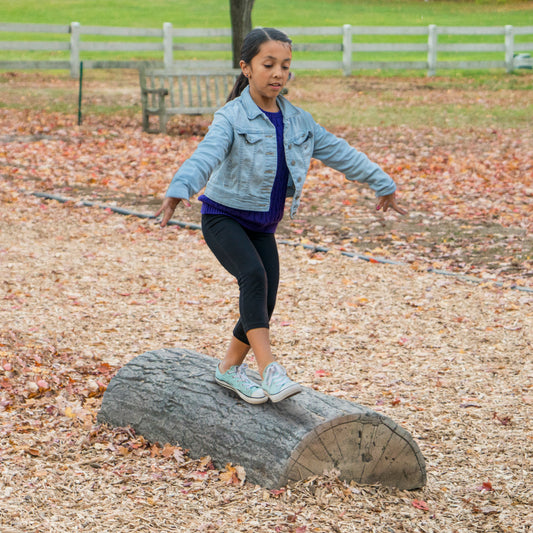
pixel 265 222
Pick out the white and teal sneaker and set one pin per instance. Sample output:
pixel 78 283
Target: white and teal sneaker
pixel 238 381
pixel 277 385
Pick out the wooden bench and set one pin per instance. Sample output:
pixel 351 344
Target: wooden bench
pixel 166 92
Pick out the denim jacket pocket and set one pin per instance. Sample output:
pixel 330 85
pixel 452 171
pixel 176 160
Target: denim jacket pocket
pixel 251 137
pixel 249 168
pixel 302 137
pixel 303 143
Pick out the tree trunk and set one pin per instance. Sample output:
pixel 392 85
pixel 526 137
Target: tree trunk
pixel 241 25
pixel 170 395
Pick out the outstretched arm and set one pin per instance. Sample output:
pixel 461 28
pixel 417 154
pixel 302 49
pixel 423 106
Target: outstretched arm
pixel 338 154
pixel 335 152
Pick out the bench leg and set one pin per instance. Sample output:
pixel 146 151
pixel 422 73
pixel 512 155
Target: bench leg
pixel 146 121
pixel 163 119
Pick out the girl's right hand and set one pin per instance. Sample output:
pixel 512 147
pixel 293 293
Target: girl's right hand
pixel 167 209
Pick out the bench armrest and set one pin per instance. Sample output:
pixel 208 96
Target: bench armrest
pixel 161 92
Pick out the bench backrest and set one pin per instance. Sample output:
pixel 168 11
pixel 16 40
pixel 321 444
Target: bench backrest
pixel 190 92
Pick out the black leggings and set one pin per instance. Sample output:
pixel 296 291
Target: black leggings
pixel 252 257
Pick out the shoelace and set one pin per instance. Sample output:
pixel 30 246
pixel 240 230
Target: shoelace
pixel 241 374
pixel 276 373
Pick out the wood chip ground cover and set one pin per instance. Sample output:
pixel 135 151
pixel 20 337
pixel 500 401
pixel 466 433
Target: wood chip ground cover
pixel 84 290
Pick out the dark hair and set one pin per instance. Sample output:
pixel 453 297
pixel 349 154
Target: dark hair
pixel 250 48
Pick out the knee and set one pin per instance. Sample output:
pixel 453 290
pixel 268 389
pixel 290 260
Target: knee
pixel 253 279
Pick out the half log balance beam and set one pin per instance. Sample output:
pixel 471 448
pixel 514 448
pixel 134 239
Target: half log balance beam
pixel 170 396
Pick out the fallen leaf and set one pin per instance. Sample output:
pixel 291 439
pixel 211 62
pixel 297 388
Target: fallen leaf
pixel 486 486
pixel 504 420
pixel 168 451
pixel 42 384
pixel 420 504
pixel 34 452
pixel 234 475
pixel 198 475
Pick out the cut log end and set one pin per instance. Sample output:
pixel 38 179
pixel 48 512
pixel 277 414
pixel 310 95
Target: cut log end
pixel 366 448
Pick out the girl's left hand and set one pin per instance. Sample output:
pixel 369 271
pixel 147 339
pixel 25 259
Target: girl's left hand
pixel 387 201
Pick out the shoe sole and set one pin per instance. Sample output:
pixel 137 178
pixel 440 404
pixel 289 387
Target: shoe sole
pixel 247 399
pixel 284 394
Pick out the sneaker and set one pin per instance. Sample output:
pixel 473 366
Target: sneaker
pixel 277 385
pixel 238 381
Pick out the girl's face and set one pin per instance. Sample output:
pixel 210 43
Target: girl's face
pixel 268 72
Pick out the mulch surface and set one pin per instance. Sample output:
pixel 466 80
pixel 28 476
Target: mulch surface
pixel 84 290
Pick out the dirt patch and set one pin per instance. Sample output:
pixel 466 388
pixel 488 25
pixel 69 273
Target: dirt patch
pixel 490 251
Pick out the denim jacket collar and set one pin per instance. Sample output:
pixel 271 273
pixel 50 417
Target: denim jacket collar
pixel 253 110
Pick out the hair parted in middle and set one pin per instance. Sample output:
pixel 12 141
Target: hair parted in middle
pixel 250 48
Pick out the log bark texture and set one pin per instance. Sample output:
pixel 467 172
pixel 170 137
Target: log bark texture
pixel 170 395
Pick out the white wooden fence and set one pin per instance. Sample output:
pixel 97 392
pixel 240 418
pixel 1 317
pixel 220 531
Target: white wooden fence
pixel 346 46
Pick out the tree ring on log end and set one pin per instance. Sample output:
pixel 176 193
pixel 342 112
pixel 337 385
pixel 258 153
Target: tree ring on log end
pixel 360 447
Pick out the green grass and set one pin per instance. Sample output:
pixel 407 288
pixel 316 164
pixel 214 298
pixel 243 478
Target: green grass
pixel 486 100
pixel 436 115
pixel 280 13
pixel 215 13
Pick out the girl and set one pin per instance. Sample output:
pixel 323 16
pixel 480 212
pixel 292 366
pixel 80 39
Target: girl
pixel 256 153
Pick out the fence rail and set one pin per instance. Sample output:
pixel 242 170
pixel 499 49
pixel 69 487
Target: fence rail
pixel 170 45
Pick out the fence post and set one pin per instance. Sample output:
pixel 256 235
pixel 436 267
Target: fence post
pixel 432 49
pixel 167 45
pixel 347 49
pixel 509 48
pixel 74 49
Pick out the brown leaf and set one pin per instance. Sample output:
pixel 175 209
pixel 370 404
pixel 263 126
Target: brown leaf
pixel 34 452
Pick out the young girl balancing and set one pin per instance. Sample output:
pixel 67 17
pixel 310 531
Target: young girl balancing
pixel 256 153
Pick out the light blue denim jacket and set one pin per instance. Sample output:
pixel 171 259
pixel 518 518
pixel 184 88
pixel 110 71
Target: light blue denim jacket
pixel 237 159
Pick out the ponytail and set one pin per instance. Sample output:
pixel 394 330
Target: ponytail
pixel 250 48
pixel 240 85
